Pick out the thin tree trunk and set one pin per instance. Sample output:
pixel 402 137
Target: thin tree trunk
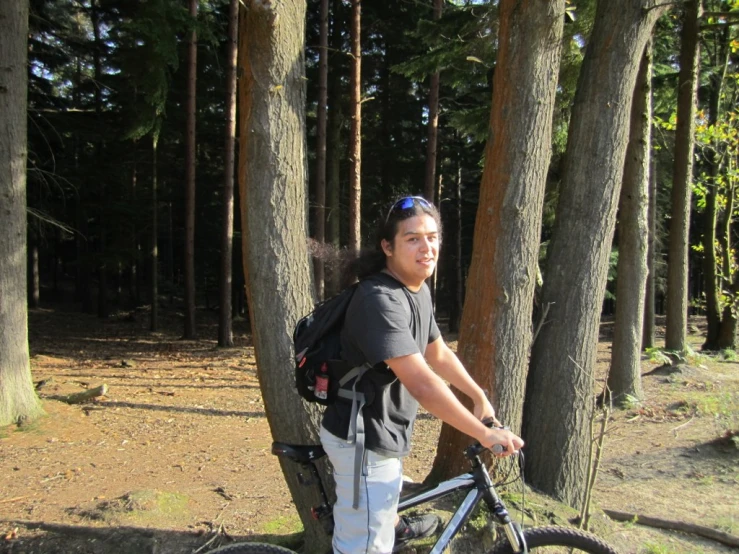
pixel 432 133
pixel 560 385
pixel 648 333
pixel 225 322
pixel 102 269
pixel 134 293
pixel 713 282
pixel 18 400
pixel 273 202
pixel 727 336
pixel 320 209
pixel 502 273
pixel 453 248
pixel 190 165
pixel 677 269
pixel 355 136
pixel 154 252
pixel 334 149
pixel 624 376
pixel 34 279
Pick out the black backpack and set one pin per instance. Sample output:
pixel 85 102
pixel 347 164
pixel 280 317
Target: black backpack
pixel 319 370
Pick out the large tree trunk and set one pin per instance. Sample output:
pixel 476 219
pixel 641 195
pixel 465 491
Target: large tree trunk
pixel 225 326
pixel 273 201
pixel 559 399
pixel 190 165
pixel 677 269
pixel 319 229
pixel 495 333
pixel 624 377
pixel 355 136
pixel 18 400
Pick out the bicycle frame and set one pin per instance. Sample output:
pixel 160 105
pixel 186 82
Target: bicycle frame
pixel 477 482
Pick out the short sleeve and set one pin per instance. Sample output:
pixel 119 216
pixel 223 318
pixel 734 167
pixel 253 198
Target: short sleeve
pixel 377 327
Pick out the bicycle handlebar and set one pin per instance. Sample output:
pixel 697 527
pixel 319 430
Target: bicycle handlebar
pixel 491 423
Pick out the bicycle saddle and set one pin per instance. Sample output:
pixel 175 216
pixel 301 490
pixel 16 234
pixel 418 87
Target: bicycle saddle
pixel 302 454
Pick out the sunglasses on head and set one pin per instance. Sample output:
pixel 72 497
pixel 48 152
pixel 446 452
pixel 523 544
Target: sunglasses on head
pixel 406 204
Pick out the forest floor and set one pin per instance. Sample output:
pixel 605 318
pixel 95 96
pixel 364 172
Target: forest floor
pixel 177 455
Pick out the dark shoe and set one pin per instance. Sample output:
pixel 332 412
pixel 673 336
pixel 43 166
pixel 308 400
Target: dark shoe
pixel 415 527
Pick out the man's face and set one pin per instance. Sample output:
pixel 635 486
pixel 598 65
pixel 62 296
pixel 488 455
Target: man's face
pixel 415 250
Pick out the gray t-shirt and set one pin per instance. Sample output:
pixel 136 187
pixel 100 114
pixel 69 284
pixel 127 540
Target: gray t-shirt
pixel 384 320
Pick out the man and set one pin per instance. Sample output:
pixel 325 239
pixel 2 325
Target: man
pixel 390 325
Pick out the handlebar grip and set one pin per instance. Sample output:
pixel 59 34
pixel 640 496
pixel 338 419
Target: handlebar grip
pixel 498 449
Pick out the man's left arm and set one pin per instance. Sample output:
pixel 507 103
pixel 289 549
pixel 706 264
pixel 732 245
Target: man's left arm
pixel 446 364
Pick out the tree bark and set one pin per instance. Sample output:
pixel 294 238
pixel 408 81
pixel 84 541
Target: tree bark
pixel 624 376
pixel 677 261
pixel 18 400
pixel 559 396
pixel 225 322
pixel 273 202
pixel 495 332
pixel 190 165
pixel 355 136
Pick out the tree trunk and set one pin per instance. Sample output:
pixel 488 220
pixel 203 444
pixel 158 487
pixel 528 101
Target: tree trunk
pixel 453 249
pixel 714 284
pixel 18 400
pixel 154 252
pixel 190 164
pixel 273 202
pixel 727 335
pixel 320 211
pixel 225 326
pixel 355 136
pixel 34 280
pixel 100 184
pixel 432 134
pixel 648 332
pixel 334 150
pixel 624 376
pixel 502 273
pixel 559 396
pixel 677 260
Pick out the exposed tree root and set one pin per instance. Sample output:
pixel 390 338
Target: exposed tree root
pixel 705 532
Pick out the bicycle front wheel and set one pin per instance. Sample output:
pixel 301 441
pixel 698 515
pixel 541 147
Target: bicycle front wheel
pixel 556 540
pixel 251 548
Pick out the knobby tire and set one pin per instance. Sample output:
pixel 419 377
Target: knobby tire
pixel 251 548
pixel 541 537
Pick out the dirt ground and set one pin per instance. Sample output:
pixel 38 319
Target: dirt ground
pixel 176 457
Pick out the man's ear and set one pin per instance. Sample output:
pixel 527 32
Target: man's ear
pixel 387 248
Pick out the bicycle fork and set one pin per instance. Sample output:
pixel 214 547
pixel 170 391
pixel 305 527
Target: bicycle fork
pixel 513 532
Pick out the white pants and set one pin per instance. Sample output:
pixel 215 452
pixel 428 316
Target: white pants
pixel 369 529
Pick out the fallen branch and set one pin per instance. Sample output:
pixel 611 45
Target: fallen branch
pixel 700 530
pixel 7 500
pixel 84 396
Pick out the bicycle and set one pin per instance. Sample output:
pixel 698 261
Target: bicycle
pixel 479 487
